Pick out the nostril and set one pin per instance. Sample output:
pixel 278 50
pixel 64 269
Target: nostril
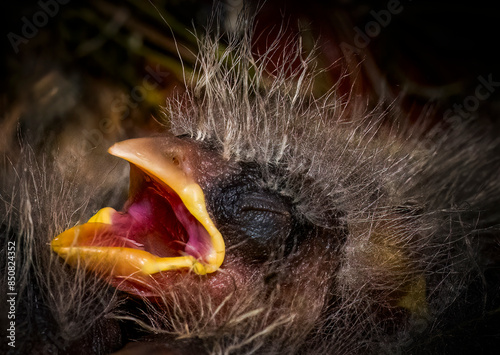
pixel 174 156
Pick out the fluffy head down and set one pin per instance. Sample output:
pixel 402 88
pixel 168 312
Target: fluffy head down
pixel 411 200
pixel 401 219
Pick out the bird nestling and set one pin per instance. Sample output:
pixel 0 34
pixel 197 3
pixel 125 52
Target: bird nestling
pixel 263 220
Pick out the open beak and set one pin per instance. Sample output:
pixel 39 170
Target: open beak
pixel 165 225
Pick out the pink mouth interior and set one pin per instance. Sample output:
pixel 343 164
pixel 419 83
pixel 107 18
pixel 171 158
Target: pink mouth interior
pixel 155 220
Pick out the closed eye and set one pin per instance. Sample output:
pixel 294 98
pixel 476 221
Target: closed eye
pixel 264 204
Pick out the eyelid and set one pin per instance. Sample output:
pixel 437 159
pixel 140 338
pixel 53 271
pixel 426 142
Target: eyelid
pixel 263 204
pixel 264 209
